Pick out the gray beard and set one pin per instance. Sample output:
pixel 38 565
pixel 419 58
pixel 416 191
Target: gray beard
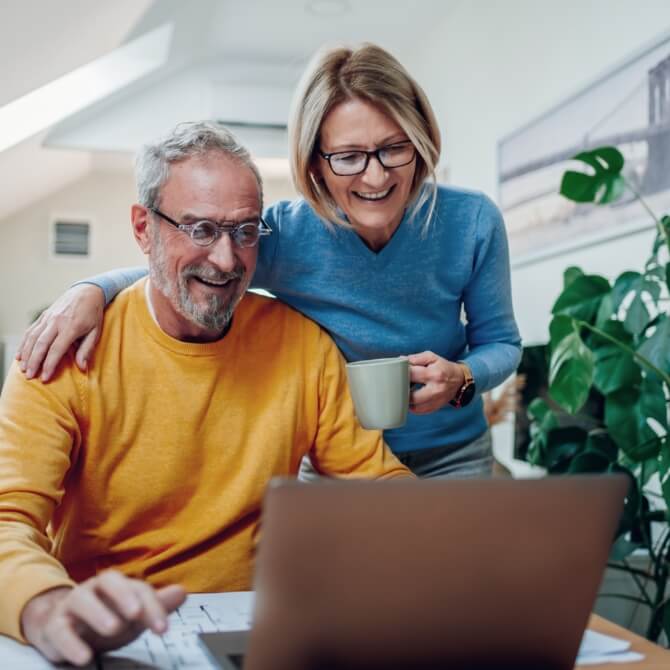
pixel 216 314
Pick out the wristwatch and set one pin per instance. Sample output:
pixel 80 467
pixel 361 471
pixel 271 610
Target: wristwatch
pixel 466 393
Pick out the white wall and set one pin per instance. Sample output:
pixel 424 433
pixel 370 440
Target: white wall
pixel 27 267
pixel 492 66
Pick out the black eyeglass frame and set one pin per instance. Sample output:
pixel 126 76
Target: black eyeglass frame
pixel 374 152
pixel 226 227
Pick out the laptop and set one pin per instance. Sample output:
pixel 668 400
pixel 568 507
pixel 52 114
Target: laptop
pixel 495 573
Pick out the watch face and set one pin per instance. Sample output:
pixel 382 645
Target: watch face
pixel 464 396
pixel 467 395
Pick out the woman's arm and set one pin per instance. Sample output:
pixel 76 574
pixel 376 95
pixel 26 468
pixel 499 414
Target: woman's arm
pixel 113 282
pixel 494 345
pixel 76 315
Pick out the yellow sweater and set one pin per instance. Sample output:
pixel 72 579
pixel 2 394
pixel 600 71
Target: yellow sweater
pixel 155 461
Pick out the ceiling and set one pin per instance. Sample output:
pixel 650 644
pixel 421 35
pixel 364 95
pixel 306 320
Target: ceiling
pixel 236 60
pixel 45 40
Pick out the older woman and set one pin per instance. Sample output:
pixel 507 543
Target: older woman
pixel 387 261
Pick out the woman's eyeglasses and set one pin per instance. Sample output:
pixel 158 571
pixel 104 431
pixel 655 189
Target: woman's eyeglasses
pixel 349 163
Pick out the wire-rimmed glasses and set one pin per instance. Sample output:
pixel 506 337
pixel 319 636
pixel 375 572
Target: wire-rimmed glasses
pixel 206 232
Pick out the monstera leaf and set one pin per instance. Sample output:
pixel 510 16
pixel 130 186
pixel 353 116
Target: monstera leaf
pixel 571 373
pixel 615 368
pixel 564 445
pixel 570 274
pixel 561 326
pixel 664 463
pixel 627 414
pixel 624 284
pixel 657 348
pixel 543 421
pixel 645 289
pixel 582 297
pixel 606 184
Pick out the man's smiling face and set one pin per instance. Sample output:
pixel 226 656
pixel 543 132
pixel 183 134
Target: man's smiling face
pixel 199 287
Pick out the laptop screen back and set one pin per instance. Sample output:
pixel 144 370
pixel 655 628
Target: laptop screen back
pixel 409 574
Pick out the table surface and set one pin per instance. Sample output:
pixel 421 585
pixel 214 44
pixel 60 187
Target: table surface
pixel 655 657
pixel 237 606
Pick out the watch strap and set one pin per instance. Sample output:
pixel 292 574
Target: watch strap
pixel 466 392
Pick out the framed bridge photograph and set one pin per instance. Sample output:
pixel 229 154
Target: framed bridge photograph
pixel 628 107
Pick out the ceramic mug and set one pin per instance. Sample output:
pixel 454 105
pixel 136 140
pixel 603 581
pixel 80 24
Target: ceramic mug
pixel 380 391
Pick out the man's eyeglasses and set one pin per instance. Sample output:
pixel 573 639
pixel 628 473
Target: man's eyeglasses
pixel 349 163
pixel 205 232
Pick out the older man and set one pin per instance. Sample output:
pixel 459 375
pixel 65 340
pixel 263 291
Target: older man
pixel 148 469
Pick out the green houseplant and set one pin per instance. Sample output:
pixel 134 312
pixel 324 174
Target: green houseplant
pixel 609 367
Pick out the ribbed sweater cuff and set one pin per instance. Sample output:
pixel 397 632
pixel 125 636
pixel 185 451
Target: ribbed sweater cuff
pixel 17 595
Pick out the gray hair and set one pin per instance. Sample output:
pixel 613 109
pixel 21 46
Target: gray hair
pixel 191 138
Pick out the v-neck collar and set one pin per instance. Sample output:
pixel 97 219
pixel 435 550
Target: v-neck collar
pixel 383 257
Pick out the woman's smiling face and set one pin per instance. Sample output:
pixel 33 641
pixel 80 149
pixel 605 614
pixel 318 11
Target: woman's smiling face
pixel 374 200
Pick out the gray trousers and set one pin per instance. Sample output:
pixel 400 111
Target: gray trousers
pixel 474 459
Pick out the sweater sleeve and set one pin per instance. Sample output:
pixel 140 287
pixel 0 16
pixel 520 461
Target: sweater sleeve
pixel 39 435
pixel 342 448
pixel 114 281
pixel 494 345
pixel 264 275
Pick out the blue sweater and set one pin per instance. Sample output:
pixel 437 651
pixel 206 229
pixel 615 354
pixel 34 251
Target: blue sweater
pixel 404 299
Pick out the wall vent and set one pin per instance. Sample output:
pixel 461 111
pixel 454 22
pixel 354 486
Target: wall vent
pixel 71 238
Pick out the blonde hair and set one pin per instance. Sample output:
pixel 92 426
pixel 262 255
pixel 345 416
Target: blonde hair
pixel 371 74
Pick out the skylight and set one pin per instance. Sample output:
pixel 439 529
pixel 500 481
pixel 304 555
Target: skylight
pixel 34 112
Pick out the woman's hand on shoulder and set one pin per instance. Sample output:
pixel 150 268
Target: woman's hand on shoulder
pixel 75 316
pixel 440 378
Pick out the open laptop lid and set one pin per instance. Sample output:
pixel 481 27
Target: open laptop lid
pixel 427 574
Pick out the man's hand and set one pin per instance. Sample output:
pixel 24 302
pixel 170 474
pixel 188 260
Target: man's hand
pixel 75 316
pixel 105 612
